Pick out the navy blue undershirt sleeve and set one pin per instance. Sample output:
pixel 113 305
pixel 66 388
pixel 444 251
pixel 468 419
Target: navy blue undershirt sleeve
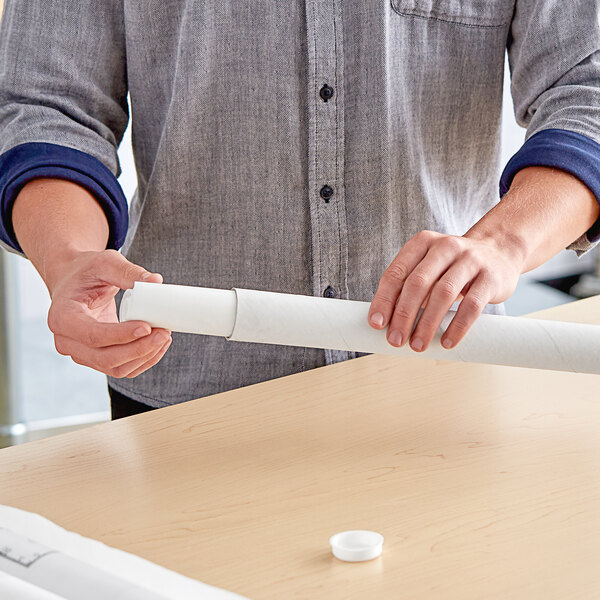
pixel 40 159
pixel 572 152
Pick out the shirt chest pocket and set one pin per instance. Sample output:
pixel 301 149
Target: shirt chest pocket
pixel 473 13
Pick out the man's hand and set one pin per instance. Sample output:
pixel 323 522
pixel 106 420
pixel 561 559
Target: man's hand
pixel 435 270
pixel 63 231
pixel 544 211
pixel 83 316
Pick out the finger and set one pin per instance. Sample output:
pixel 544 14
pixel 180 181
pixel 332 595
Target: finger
pixel 470 308
pixel 110 358
pixel 442 296
pixel 392 280
pixel 424 305
pixel 71 321
pixel 147 365
pixel 132 366
pixel 129 366
pixel 417 286
pixel 113 268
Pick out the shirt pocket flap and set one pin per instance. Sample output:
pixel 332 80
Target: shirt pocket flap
pixel 474 13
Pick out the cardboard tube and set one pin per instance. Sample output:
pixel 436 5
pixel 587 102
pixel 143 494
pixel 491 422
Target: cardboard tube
pixel 315 322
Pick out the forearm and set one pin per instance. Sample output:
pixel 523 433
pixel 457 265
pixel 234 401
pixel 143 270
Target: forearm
pixel 54 221
pixel 543 212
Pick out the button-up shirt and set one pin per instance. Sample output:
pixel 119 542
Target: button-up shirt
pixel 290 146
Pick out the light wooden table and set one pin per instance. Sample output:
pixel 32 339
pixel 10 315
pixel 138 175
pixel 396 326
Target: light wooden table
pixel 485 481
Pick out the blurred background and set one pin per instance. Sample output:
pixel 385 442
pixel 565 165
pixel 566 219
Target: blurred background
pixel 42 392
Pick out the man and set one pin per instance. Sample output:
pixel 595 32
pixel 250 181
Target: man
pixel 335 148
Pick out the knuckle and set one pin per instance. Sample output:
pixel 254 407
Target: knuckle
pixel 460 324
pixel 451 244
pixel 396 272
pixel 78 360
pixel 143 348
pixel 53 320
pixel 471 255
pixel 426 325
pixel 105 363
pixel 131 271
pixel 418 279
pixel 110 254
pixel 473 303
pixel 119 372
pixel 486 274
pixel 446 290
pixel 424 236
pixel 101 258
pixel 382 301
pixel 401 314
pixel 60 346
pixel 141 369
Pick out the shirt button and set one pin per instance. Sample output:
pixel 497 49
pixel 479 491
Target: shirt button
pixel 326 192
pixel 326 92
pixel 329 292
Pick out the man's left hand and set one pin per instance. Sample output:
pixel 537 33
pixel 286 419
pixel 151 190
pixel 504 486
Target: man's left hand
pixel 434 270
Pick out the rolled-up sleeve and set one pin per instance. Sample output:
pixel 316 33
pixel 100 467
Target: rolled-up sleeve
pixel 554 56
pixel 63 102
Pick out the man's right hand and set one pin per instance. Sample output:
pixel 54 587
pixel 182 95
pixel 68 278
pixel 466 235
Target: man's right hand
pixel 83 316
pixel 63 231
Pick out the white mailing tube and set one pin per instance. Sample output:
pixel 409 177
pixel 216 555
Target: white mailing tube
pixel 293 320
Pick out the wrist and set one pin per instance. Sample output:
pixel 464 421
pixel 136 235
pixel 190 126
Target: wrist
pixel 56 221
pixel 58 264
pixel 510 243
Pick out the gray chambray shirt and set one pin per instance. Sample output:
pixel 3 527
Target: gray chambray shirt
pixel 235 138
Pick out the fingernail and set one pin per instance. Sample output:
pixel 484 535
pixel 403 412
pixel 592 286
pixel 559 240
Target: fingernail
pixel 395 338
pixel 146 275
pixel 377 319
pixel 140 332
pixel 447 343
pixel 160 338
pixel 417 344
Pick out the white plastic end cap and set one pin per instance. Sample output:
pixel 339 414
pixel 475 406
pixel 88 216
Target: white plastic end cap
pixel 356 545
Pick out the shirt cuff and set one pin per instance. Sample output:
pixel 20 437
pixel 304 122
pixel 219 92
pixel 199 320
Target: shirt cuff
pixel 572 152
pixel 33 160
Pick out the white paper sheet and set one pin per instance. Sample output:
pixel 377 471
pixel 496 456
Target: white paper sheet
pixel 42 561
pixel 294 320
pixel 13 588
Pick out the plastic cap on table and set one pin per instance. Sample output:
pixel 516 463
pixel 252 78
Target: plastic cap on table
pixel 356 545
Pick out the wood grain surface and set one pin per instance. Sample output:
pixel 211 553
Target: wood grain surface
pixel 484 481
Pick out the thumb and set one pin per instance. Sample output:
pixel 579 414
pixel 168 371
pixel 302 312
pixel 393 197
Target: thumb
pixel 113 268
